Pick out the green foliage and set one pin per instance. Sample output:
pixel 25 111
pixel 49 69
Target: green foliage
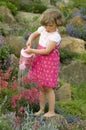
pixel 67 13
pixel 79 3
pixel 4 124
pixel 67 56
pixel 1 18
pixel 79 92
pixel 33 7
pixel 62 30
pixel 5 56
pixel 73 107
pixel 66 9
pixel 5 96
pixel 11 6
pixel 38 123
pixel 77 105
pixel 82 57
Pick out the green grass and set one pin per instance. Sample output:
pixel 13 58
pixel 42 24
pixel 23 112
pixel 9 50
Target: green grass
pixel 77 105
pixel 83 57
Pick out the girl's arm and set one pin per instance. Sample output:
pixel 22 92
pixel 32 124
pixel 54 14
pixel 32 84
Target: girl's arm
pixel 32 37
pixel 45 51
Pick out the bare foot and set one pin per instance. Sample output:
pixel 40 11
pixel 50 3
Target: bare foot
pixel 49 114
pixel 40 112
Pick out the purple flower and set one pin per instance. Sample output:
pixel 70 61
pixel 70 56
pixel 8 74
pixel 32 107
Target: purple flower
pixel 81 13
pixel 5 61
pixel 1 41
pixel 78 31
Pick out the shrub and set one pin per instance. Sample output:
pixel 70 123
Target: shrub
pixel 79 92
pixel 66 10
pixel 11 6
pixel 78 31
pixel 1 18
pixel 14 98
pixel 77 28
pixel 5 124
pixel 5 55
pixel 67 56
pixel 81 13
pixel 77 105
pixel 33 7
pixel 23 98
pixel 8 87
pixel 79 3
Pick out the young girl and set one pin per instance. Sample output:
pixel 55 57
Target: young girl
pixel 44 69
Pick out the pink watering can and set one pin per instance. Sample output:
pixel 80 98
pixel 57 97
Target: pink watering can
pixel 25 59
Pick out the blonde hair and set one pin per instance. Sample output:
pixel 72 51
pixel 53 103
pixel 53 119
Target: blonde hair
pixel 51 16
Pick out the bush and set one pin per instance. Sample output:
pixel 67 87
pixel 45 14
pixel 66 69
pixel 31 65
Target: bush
pixel 77 105
pixel 1 18
pixel 67 56
pixel 5 55
pixel 78 31
pixel 11 6
pixel 66 9
pixel 4 124
pixel 79 3
pixel 33 7
pixel 81 13
pixel 77 27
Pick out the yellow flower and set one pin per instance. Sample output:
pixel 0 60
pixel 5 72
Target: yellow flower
pixel 61 6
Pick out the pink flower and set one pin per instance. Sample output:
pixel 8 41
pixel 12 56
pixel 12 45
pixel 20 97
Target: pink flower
pixel 21 109
pixel 17 120
pixel 13 105
pixel 14 99
pixel 35 126
pixel 24 80
pixel 14 85
pixel 4 84
pixel 6 75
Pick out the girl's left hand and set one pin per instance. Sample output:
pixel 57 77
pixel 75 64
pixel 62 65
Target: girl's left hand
pixel 28 50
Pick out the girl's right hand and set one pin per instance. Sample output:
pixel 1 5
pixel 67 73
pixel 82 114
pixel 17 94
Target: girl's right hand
pixel 28 43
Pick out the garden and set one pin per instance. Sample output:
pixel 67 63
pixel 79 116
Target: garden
pixel 19 99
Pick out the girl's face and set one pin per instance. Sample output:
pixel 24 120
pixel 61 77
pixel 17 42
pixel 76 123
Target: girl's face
pixel 50 27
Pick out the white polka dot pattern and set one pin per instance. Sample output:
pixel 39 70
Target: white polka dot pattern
pixel 44 69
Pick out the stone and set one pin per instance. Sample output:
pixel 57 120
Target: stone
pixel 64 92
pixel 7 15
pixel 73 44
pixel 58 121
pixel 74 72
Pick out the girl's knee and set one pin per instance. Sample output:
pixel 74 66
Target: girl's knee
pixel 48 89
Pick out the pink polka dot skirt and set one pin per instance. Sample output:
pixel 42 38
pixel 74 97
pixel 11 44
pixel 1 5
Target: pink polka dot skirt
pixel 44 69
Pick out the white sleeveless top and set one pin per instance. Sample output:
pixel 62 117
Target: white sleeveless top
pixel 45 36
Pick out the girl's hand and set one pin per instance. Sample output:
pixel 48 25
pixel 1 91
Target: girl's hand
pixel 29 50
pixel 28 43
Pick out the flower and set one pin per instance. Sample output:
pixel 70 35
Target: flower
pixel 78 31
pixel 23 98
pixel 35 126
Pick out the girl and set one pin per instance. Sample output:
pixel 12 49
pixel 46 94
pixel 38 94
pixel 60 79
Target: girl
pixel 44 69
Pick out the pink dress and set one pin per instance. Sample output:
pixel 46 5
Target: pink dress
pixel 44 69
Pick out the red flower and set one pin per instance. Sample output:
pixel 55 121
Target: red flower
pixel 14 85
pixel 21 109
pixel 35 126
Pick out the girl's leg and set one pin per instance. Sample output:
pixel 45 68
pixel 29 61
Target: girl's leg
pixel 42 99
pixel 51 100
